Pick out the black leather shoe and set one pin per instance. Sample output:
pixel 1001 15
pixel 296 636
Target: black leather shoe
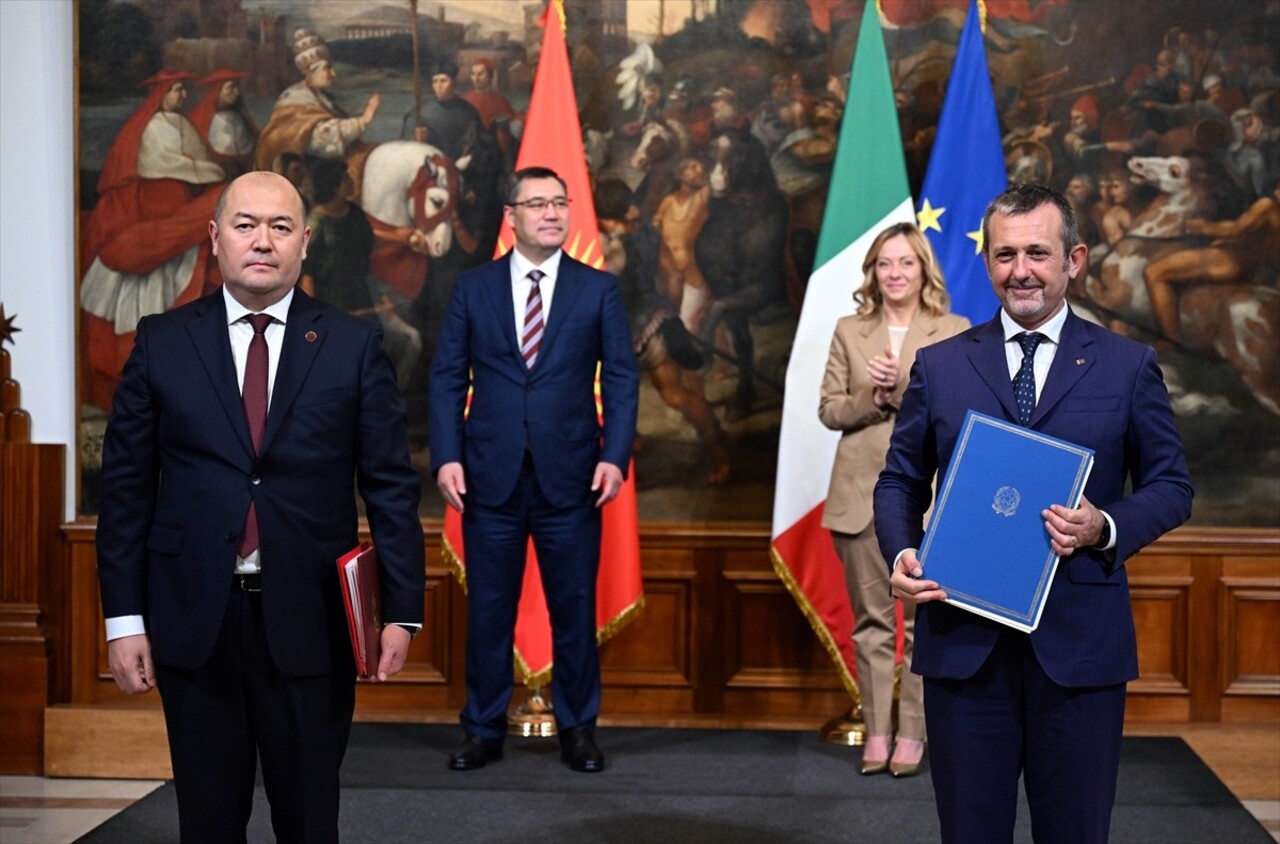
pixel 578 749
pixel 474 753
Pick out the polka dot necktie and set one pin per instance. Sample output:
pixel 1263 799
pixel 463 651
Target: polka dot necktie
pixel 531 342
pixel 1024 383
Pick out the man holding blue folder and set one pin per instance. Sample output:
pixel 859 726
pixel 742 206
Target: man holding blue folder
pixel 1048 705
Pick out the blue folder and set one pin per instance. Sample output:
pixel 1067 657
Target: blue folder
pixel 986 544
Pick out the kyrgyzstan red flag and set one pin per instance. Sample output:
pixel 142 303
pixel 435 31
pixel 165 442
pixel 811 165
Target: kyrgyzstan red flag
pixel 553 138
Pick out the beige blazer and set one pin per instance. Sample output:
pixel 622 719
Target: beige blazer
pixel 846 406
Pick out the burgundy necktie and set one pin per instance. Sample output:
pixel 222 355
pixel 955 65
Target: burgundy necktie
pixel 531 342
pixel 254 397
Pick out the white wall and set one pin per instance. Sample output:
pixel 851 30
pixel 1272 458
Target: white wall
pixel 37 251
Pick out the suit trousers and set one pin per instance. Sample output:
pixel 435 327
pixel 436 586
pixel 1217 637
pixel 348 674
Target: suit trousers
pixel 567 541
pixel 1011 719
pixel 874 633
pixel 238 709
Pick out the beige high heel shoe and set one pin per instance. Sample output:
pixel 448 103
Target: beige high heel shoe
pixel 900 769
pixel 877 745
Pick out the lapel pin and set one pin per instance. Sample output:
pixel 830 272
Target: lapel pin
pixel 311 338
pixel 1079 361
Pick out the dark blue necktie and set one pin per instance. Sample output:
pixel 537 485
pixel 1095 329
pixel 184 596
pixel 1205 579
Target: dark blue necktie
pixel 1024 383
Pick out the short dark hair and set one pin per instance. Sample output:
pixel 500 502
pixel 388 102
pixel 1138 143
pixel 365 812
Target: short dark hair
pixel 523 175
pixel 445 67
pixel 1025 198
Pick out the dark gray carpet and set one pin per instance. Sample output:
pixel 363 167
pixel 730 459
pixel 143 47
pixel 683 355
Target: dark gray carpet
pixel 678 786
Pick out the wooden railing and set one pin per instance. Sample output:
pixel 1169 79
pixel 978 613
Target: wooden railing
pixel 30 549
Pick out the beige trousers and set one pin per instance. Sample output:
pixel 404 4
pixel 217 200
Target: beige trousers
pixel 867 578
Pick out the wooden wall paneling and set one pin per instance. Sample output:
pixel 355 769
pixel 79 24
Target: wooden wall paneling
pixel 85 632
pixel 1203 640
pixel 647 668
pixel 774 663
pixel 1248 674
pixel 720 643
pixel 1160 589
pixel 424 687
pixel 101 741
pixel 1250 629
pixel 653 651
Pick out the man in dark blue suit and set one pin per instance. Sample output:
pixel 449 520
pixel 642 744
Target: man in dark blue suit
pixel 529 458
pixel 240 427
pixel 1047 705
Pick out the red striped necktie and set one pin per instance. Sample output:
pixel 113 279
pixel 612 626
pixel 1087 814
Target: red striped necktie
pixel 531 341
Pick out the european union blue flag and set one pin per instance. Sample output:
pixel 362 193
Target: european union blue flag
pixel 966 171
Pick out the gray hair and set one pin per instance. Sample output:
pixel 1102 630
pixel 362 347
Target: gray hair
pixel 1023 199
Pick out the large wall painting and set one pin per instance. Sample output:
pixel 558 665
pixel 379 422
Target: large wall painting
pixel 1157 117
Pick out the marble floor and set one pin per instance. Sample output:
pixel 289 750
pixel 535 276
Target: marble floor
pixel 40 810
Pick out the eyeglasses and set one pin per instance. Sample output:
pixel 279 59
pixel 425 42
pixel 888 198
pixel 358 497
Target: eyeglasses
pixel 537 206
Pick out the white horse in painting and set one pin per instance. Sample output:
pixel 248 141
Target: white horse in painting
pixel 409 192
pixel 408 183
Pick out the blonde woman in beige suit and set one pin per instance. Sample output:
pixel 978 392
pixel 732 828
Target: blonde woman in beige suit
pixel 902 306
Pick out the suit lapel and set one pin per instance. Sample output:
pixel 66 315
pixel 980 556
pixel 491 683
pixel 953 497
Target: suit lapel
pixel 568 295
pixel 208 332
pixel 871 337
pixel 1070 362
pixel 923 332
pixel 497 285
pixel 304 335
pixel 988 358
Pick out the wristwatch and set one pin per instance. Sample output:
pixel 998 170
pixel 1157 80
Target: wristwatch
pixel 410 629
pixel 1104 536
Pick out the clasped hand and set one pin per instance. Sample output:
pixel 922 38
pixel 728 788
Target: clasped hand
pixel 883 372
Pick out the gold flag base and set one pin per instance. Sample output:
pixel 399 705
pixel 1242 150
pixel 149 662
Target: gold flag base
pixel 848 729
pixel 533 718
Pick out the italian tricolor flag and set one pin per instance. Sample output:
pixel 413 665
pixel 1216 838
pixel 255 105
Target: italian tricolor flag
pixel 868 192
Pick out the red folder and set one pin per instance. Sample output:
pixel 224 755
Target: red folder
pixel 361 595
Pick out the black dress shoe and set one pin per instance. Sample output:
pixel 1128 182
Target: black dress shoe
pixel 474 753
pixel 578 749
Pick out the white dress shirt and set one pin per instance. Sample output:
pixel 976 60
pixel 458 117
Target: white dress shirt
pixel 521 284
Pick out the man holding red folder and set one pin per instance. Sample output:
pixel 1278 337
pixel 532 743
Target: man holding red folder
pixel 242 423
pixel 1047 706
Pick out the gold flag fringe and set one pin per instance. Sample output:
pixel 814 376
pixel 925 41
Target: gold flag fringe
pixel 824 635
pixel 542 678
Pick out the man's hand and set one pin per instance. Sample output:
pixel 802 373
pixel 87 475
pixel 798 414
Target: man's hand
pixel 907 581
pixel 453 485
pixel 395 647
pixel 1072 530
pixel 608 480
pixel 130 661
